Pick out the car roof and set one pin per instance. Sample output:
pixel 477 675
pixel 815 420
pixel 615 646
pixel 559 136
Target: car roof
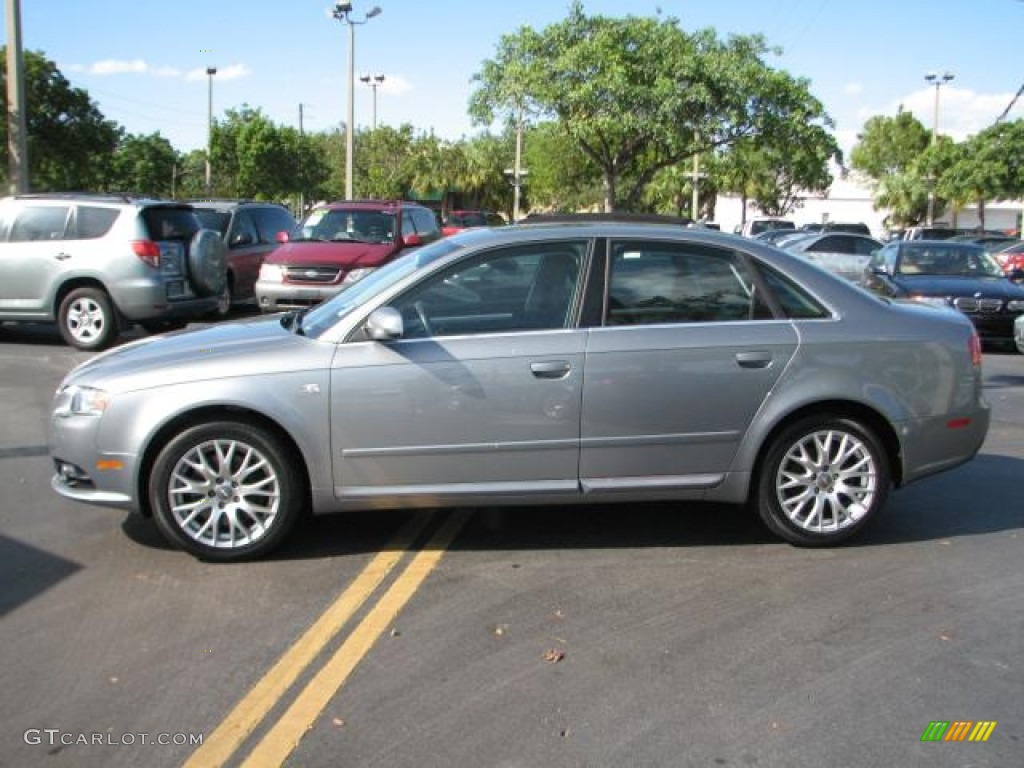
pixel 369 205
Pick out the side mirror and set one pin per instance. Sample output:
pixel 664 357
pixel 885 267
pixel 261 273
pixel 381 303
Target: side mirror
pixel 384 324
pixel 412 241
pixel 282 237
pixel 1017 275
pixel 880 270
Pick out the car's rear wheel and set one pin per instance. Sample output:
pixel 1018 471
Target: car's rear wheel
pixel 87 319
pixel 822 480
pixel 225 491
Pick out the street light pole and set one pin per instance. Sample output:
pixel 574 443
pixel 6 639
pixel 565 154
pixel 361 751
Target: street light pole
pixel 210 72
pixel 938 81
pixel 342 12
pixel 374 82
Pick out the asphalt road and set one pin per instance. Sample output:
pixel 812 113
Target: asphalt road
pixel 631 635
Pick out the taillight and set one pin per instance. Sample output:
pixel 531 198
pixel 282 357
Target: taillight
pixel 974 345
pixel 148 251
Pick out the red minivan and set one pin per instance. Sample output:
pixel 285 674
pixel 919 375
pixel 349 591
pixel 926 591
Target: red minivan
pixel 339 244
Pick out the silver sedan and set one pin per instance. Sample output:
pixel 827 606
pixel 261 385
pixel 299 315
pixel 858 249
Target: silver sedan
pixel 581 362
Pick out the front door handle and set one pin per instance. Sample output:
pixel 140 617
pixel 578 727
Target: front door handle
pixel 62 256
pixel 551 369
pixel 754 359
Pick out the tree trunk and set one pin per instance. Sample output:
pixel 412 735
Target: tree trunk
pixel 609 192
pixel 981 212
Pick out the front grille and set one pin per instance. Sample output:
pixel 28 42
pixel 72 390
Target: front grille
pixel 317 275
pixel 972 304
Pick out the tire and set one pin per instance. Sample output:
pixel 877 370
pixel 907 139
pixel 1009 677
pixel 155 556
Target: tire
pixel 822 480
pixel 207 262
pixel 198 494
pixel 87 319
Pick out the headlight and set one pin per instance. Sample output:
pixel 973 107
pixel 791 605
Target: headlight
pixel 1017 305
pixel 935 301
pixel 356 275
pixel 81 401
pixel 272 273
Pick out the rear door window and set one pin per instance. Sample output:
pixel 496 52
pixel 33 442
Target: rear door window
pixel 654 283
pixel 40 222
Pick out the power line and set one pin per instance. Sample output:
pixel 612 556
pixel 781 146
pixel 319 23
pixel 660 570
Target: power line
pixel 1011 105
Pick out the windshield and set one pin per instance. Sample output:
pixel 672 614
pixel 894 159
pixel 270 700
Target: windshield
pixel 326 315
pixel 363 226
pixel 949 260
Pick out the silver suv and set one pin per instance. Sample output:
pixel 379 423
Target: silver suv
pixel 94 263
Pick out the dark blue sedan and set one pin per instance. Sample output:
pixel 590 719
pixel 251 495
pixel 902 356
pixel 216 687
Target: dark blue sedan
pixel 951 274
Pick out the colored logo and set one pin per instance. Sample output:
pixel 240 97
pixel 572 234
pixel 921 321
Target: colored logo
pixel 958 730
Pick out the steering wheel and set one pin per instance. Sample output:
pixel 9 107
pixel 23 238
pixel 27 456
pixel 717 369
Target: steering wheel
pixel 421 313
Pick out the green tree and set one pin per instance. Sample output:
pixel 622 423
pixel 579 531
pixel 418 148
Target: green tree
pixel 70 143
pixel 889 145
pixel 561 176
pixel 637 95
pixel 384 165
pixel 143 165
pixel 985 167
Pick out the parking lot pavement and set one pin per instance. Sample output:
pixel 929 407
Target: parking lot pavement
pixel 618 635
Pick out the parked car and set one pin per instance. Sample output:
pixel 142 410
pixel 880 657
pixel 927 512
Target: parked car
pixel 1011 259
pixel 950 274
pixel 773 236
pixel 756 226
pixel 991 243
pixel 846 255
pixel 854 228
pixel 456 221
pixel 548 363
pixel 931 233
pixel 337 245
pixel 250 230
pixel 95 263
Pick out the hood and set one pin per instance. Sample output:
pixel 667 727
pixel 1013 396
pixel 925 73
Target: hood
pixel 261 346
pixel 348 255
pixel 952 285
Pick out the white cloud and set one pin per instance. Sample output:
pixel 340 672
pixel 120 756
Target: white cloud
pixel 853 89
pixel 167 72
pixel 233 72
pixel 962 112
pixel 118 67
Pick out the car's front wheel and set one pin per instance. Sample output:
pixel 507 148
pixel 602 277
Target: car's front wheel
pixel 225 491
pixel 87 319
pixel 822 480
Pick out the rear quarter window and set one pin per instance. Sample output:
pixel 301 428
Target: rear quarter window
pixel 92 222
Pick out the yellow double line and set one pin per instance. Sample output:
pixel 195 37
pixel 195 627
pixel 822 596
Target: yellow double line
pixel 279 742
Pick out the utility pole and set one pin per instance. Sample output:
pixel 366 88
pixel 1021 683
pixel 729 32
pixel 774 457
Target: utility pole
pixel 17 131
pixel 302 195
pixel 695 176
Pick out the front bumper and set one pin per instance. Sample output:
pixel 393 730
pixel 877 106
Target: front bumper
pixel 278 297
pixel 84 473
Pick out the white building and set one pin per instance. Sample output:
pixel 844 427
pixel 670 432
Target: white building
pixel 849 200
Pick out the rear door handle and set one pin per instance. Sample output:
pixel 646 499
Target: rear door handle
pixel 62 256
pixel 754 359
pixel 551 369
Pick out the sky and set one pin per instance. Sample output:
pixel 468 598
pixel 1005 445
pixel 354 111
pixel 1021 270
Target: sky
pixel 144 62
